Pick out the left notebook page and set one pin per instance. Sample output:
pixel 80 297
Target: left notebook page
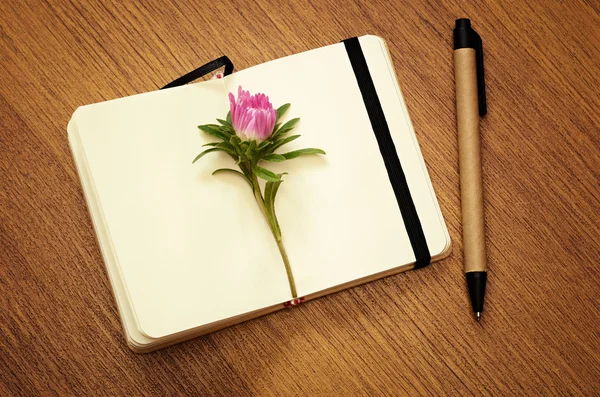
pixel 189 248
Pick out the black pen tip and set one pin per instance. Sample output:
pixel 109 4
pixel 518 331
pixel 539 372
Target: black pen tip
pixel 476 283
pixel 463 23
pixel 478 316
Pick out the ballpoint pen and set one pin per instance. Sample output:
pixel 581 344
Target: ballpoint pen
pixel 470 106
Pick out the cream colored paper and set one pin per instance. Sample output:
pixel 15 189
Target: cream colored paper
pixel 191 248
pixel 186 249
pixel 338 213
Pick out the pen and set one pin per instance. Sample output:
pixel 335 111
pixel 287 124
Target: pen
pixel 470 106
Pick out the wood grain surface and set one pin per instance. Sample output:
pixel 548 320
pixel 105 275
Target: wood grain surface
pixel 410 334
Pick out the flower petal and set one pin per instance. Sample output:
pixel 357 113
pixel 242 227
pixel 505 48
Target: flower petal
pixel 252 116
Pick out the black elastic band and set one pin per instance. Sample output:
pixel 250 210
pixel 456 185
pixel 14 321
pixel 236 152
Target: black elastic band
pixel 202 70
pixel 388 152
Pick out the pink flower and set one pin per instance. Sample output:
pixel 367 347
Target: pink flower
pixel 252 116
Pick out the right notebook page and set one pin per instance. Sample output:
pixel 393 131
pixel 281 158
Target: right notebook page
pixel 338 213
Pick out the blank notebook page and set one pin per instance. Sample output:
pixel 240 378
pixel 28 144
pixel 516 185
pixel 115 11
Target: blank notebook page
pixel 193 248
pixel 338 213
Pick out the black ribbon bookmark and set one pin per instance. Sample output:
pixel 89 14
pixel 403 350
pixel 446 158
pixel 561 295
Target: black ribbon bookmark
pixel 388 152
pixel 203 70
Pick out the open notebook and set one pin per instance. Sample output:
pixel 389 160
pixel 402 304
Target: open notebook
pixel 188 253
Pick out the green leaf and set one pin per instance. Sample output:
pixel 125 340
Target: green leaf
pixel 250 150
pixel 225 123
pixel 215 149
pixel 228 118
pixel 274 190
pixel 302 152
pixel 211 144
pixel 216 132
pixel 235 143
pixel 263 145
pixel 268 189
pixel 274 157
pixel 271 189
pixel 282 142
pixel 226 127
pixel 229 148
pixel 287 127
pixel 270 212
pixel 219 127
pixel 229 170
pixel 227 130
pixel 265 174
pixel 220 170
pixel 282 109
pixel 226 145
pixel 270 193
pixel 235 139
pixel 246 169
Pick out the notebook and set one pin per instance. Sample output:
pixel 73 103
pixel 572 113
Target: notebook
pixel 188 253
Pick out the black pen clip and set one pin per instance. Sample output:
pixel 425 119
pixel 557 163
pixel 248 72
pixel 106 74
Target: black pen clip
pixel 480 75
pixel 466 37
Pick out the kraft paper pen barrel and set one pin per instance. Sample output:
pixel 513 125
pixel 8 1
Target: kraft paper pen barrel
pixel 470 106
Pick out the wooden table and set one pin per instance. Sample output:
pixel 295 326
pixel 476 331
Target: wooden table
pixel 413 333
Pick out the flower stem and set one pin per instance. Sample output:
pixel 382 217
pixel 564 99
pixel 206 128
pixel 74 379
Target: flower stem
pixel 288 269
pixel 271 219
